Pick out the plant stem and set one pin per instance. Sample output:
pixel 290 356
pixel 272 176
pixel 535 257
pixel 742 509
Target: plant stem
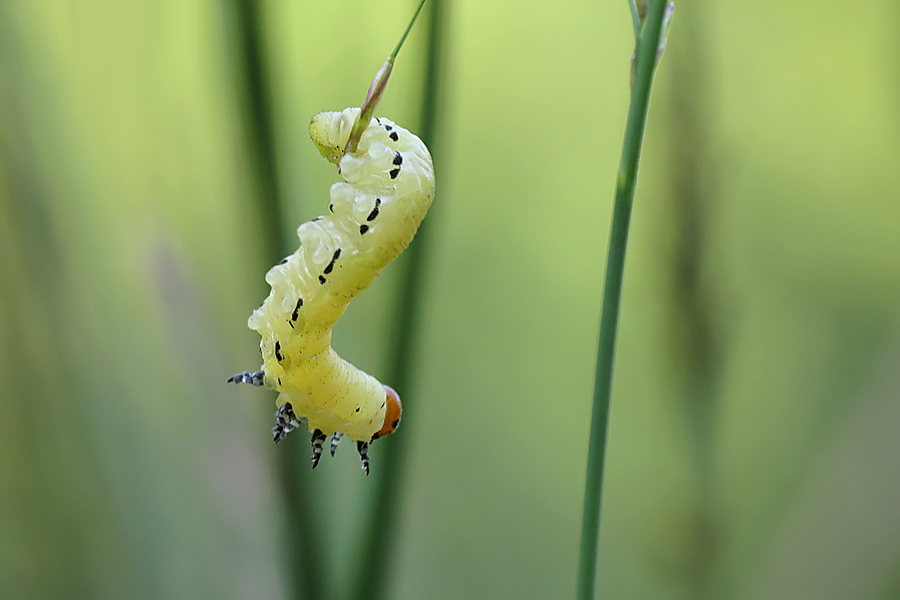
pixel 635 19
pixel 376 90
pixel 695 341
pixel 301 531
pixel 612 293
pixel 379 541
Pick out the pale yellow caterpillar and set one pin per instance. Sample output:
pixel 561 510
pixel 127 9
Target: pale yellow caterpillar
pixel 373 215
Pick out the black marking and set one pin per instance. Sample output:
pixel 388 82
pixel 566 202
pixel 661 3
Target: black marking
pixel 331 207
pixel 395 172
pixel 335 440
pixel 317 219
pixel 282 261
pixel 374 212
pixel 357 409
pixel 395 423
pixel 398 159
pixel 278 352
pixel 330 267
pixel 296 310
pixel 394 136
pixel 321 280
pixel 375 436
pixel 388 127
pixel 363 229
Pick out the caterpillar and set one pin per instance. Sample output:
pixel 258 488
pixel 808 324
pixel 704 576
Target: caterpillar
pixel 373 215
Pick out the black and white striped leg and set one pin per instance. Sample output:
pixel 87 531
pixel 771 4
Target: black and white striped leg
pixel 335 440
pixel 285 422
pixel 363 449
pixel 257 379
pixel 318 438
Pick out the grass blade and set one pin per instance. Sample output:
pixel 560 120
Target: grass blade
pixel 612 294
pixel 301 528
pixel 379 541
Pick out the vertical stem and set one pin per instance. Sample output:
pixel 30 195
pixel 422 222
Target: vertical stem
pixel 258 124
pixel 612 293
pixel 380 539
pixel 301 528
pixel 695 348
pixel 635 19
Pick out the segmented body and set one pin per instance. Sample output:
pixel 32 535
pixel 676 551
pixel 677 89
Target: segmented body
pixel 373 215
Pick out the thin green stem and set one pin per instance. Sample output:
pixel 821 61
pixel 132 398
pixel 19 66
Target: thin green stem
pixel 612 293
pixel 635 18
pixel 695 340
pixel 376 90
pixel 408 29
pixel 380 539
pixel 253 77
pixel 301 531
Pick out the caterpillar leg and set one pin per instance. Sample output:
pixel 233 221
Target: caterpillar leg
pixel 255 379
pixel 285 422
pixel 335 440
pixel 318 438
pixel 363 449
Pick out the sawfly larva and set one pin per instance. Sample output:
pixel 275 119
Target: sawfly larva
pixel 373 215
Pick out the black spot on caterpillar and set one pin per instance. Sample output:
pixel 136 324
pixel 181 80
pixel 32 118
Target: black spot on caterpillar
pixel 333 396
pixel 330 267
pixel 374 212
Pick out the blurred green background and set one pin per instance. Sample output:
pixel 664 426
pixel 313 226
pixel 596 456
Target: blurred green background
pixel 755 431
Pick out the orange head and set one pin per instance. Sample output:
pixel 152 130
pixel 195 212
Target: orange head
pixel 392 412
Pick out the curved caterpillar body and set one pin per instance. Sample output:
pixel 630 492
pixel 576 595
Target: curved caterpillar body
pixel 373 215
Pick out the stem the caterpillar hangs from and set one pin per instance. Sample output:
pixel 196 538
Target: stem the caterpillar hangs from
pixel 373 215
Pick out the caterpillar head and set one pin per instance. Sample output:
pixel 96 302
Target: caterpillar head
pixel 391 413
pixel 330 131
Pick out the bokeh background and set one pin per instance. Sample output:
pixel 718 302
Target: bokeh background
pixel 755 431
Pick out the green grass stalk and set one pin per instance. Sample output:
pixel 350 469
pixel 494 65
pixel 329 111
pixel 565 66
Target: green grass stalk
pixel 696 347
pixel 301 526
pixel 635 18
pixel 647 45
pixel 379 540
